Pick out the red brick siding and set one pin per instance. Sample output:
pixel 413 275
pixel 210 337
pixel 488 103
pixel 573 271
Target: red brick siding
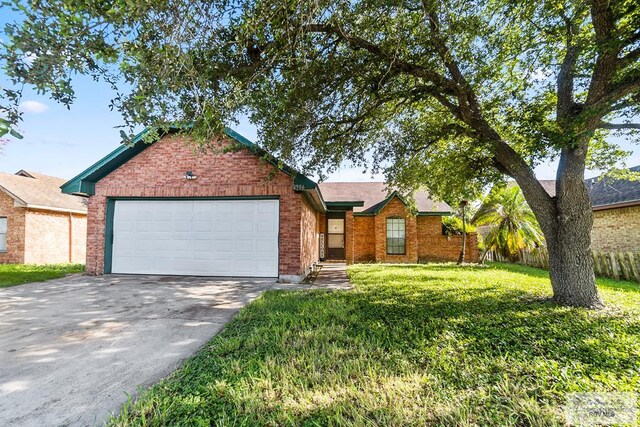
pixel 349 238
pixel 364 239
pixel 158 172
pixel 424 238
pixel 15 231
pixel 434 246
pixel 309 241
pixel 396 209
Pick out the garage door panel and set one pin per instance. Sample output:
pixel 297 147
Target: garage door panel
pixel 183 225
pixel 224 208
pixel 199 237
pixel 245 246
pixel 244 225
pixel 202 225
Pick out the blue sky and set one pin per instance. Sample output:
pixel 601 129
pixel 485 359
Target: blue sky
pixel 63 142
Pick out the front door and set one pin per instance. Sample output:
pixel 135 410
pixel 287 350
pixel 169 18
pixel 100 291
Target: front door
pixel 335 237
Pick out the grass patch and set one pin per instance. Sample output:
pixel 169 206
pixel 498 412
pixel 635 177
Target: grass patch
pixel 410 345
pixel 17 274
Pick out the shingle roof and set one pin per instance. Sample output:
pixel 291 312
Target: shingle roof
pixel 549 185
pixel 607 192
pixel 373 195
pixel 35 190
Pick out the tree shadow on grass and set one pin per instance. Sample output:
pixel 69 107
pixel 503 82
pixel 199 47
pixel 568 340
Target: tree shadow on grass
pixel 540 273
pixel 427 352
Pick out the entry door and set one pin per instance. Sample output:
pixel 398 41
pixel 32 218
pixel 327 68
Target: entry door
pixel 335 238
pixel 196 237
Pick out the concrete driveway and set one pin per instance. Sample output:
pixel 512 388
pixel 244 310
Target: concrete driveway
pixel 73 349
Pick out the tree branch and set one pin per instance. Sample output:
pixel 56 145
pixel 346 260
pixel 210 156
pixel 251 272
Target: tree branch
pixel 565 81
pixel 632 39
pixel 505 158
pixel 605 125
pixel 617 92
pixel 607 60
pixel 401 65
pixel 629 58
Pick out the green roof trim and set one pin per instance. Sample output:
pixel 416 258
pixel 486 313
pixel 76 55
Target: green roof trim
pixel 376 209
pixel 345 204
pixel 84 183
pixel 442 213
pixel 386 201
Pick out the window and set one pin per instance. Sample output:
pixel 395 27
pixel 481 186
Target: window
pixel 3 234
pixel 395 236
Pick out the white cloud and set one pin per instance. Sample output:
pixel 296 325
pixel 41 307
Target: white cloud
pixel 33 107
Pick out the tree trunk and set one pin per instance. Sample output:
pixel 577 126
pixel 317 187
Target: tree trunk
pixel 464 236
pixel 571 266
pixel 568 236
pixel 566 221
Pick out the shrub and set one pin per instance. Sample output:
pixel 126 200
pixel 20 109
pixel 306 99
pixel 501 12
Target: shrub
pixel 452 225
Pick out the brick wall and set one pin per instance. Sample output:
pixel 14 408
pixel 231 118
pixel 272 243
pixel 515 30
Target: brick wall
pixel 15 231
pixel 395 209
pixel 158 172
pixel 79 239
pixel 349 237
pixel 49 237
pixel 424 238
pixel 309 245
pixel 364 239
pixel 616 229
pixel 434 246
pixel 46 238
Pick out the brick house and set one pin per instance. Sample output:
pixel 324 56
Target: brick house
pixel 616 214
pixel 373 216
pixel 39 224
pixel 164 208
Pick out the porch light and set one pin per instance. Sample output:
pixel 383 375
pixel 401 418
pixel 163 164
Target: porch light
pixel 189 175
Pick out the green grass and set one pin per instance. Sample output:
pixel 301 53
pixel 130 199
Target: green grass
pixel 17 274
pixel 411 345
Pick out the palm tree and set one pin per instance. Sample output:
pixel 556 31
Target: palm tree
pixel 514 228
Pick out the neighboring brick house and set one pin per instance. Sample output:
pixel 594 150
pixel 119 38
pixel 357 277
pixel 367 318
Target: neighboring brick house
pixel 616 212
pixel 165 208
pixel 38 223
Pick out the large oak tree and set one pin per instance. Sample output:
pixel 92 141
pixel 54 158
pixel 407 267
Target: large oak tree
pixel 450 94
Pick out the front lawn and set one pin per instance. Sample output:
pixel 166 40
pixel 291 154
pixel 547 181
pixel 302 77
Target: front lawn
pixel 17 274
pixel 411 345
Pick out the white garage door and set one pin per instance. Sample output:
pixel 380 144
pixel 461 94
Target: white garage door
pixel 196 237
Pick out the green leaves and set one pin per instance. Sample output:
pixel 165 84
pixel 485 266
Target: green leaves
pixel 423 93
pixel 513 226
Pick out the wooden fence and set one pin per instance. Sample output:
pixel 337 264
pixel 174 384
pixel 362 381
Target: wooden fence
pixel 616 265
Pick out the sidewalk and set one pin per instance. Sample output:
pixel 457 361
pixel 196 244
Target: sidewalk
pixel 332 275
pixel 329 275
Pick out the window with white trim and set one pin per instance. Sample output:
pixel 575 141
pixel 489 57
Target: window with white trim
pixel 396 241
pixel 3 234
